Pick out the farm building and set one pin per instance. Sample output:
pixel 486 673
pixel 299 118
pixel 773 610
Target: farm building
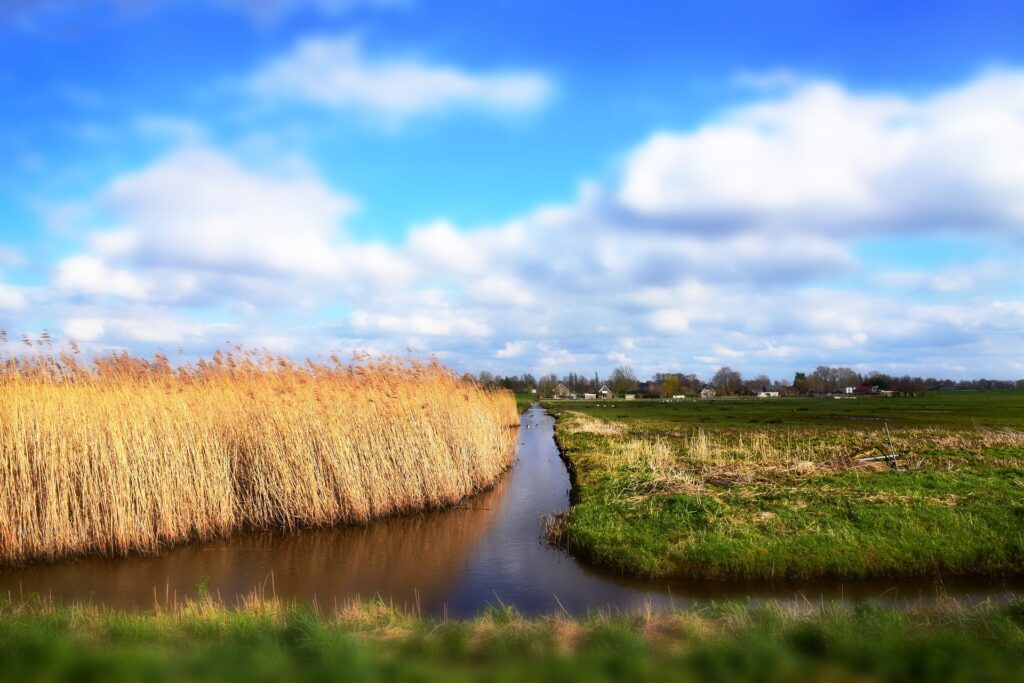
pixel 589 396
pixel 605 392
pixel 707 392
pixel 768 394
pixel 562 391
pixel 630 397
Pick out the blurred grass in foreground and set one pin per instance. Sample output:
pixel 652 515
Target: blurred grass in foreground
pixel 268 641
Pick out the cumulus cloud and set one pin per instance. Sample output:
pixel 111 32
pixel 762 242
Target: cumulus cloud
pixel 334 72
pixel 823 159
pixel 200 208
pixel 513 349
pixel 90 275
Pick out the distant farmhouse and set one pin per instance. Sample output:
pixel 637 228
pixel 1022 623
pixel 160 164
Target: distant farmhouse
pixel 862 390
pixel 768 394
pixel 604 392
pixel 562 391
pixel 707 392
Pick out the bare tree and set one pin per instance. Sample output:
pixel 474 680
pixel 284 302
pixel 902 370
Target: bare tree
pixel 728 381
pixel 623 380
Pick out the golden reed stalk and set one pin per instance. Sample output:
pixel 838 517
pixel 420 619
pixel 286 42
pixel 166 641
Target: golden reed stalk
pixel 125 454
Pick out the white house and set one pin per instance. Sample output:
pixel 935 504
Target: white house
pixel 605 392
pixel 589 396
pixel 768 394
pixel 707 392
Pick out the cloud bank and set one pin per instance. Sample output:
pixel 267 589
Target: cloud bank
pixel 738 241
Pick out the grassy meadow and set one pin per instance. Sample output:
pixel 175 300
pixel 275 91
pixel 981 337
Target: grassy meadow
pixel 267 641
pixel 124 454
pixel 776 488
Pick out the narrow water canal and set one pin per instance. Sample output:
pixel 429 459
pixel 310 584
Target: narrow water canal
pixel 488 551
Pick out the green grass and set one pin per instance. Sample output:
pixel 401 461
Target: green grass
pixel 953 409
pixel 771 488
pixel 372 642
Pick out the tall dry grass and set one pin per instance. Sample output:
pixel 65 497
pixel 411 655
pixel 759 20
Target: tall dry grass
pixel 123 454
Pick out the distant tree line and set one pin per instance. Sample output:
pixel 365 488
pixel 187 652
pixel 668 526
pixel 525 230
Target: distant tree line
pixel 726 381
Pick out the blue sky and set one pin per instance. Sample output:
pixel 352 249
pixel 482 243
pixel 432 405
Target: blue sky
pixel 520 186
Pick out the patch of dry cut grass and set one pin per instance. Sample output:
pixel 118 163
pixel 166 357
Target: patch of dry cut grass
pixel 687 461
pixel 125 454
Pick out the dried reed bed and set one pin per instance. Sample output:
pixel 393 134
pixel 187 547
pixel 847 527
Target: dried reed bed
pixel 124 454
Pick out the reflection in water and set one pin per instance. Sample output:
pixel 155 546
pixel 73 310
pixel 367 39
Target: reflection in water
pixel 400 558
pixel 455 561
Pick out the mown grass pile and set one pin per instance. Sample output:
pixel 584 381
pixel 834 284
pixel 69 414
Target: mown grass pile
pixel 124 454
pixel 270 641
pixel 668 497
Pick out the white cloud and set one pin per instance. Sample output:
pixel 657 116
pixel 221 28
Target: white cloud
pixel 89 275
pixel 11 298
pixel 84 329
pixel 440 245
pixel 724 351
pixel 502 291
pixel 335 73
pixel 428 325
pixel 671 320
pixel 512 349
pixel 197 207
pixel 822 158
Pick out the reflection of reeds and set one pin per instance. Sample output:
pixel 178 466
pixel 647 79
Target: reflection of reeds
pixel 127 454
pixel 413 558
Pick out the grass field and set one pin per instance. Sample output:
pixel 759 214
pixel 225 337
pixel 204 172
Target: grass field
pixel 265 641
pixel 129 455
pixel 774 489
